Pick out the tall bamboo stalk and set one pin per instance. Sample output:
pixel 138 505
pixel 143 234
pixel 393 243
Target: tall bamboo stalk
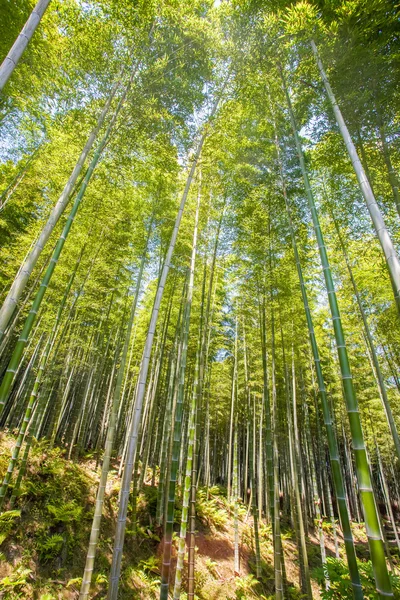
pixel 294 462
pixel 10 189
pixel 386 495
pixel 334 455
pixel 11 60
pixel 375 541
pixel 169 523
pixel 165 439
pixel 135 423
pixel 254 488
pixel 371 345
pixel 21 279
pixel 392 259
pixel 317 499
pixel 20 345
pixel 95 531
pixel 392 175
pixel 186 491
pixel 232 414
pixel 267 411
pixel 32 433
pixel 235 483
pixel 205 317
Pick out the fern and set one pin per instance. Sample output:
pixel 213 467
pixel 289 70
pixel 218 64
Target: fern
pixel 340 584
pixel 9 515
pixel 16 579
pixel 50 547
pixel 65 513
pixel 150 565
pixel 209 512
pixel 7 520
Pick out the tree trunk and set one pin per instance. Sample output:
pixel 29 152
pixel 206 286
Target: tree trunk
pixel 392 260
pixel 135 424
pixel 95 531
pixel 27 267
pixel 330 432
pixel 169 524
pixel 383 583
pixel 11 60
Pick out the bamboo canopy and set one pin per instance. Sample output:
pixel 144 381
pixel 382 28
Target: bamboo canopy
pixel 199 299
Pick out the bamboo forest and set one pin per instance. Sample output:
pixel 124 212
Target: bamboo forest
pixel 199 299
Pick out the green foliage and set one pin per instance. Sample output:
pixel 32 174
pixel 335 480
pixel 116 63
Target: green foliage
pixel 211 567
pixel 65 513
pixel 200 579
pixel 245 587
pixel 17 580
pixel 210 511
pixel 50 547
pixel 150 565
pixel 340 584
pixel 143 580
pixel 101 578
pixel 75 582
pixel 7 523
pixel 145 532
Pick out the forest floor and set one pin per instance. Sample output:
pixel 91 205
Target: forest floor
pixel 44 541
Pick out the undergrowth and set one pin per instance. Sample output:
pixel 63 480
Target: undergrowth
pixel 340 584
pixel 43 542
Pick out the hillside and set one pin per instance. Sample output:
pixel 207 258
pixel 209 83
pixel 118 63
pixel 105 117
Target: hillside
pixel 44 539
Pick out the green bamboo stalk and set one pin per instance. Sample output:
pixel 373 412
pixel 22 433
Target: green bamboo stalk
pixel 254 488
pixel 165 443
pixel 236 567
pixel 186 493
pixel 157 405
pixel 135 424
pixel 169 524
pixel 351 480
pixel 323 476
pixel 260 470
pixel 23 428
pixel 317 499
pixel 205 317
pixel 32 433
pixel 386 495
pixel 151 419
pixel 267 410
pixel 24 386
pixel 193 483
pixel 383 583
pixel 30 261
pixel 95 531
pixel 232 413
pixel 278 549
pixel 392 175
pixel 11 60
pixel 294 460
pixel 43 411
pixel 331 436
pixel 10 189
pixel 392 259
pixel 21 343
pixel 371 345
